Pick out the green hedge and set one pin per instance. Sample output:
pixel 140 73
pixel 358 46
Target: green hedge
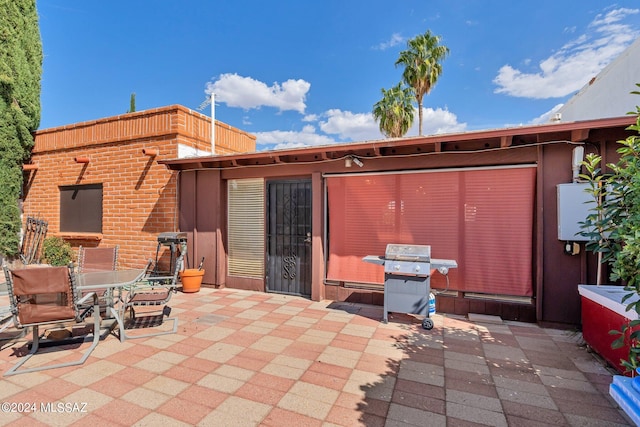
pixel 20 75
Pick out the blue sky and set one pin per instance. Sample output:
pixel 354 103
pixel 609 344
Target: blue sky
pixel 298 73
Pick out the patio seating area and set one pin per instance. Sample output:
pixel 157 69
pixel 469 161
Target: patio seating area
pixel 242 358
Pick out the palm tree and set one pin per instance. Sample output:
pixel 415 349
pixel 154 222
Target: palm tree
pixel 422 66
pixel 395 111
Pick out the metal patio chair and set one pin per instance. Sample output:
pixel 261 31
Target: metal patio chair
pixel 6 317
pixel 147 302
pixel 98 259
pixel 35 231
pixel 42 296
pixel 6 322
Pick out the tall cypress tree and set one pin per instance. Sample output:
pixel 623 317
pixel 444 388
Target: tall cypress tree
pixel 20 75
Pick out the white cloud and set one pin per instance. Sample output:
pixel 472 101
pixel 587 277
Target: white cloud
pixel 350 126
pixel 355 127
pixel 248 93
pixel 612 17
pixel 567 70
pixel 437 122
pixel 363 127
pixel 279 139
pixel 545 118
pixel 395 40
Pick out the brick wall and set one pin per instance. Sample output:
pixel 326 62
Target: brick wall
pixel 139 195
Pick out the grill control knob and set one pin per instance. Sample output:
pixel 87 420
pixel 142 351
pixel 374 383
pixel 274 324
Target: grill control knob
pixel 417 268
pixel 397 267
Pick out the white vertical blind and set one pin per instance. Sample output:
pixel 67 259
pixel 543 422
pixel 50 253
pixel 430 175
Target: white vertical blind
pixel 246 227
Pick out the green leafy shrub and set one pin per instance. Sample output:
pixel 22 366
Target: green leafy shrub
pixel 20 75
pixel 613 229
pixel 56 251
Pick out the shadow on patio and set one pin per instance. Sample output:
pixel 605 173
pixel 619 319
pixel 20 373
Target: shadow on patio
pixel 247 358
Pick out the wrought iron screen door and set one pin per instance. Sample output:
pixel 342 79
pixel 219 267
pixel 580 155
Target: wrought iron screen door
pixel 289 237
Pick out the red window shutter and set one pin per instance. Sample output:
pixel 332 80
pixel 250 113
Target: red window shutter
pixel 359 218
pixel 498 231
pixel 481 218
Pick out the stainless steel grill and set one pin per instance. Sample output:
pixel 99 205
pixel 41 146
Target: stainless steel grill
pixel 408 260
pixel 172 237
pixel 407 279
pixel 173 240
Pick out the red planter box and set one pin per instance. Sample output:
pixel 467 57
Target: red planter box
pixel 602 312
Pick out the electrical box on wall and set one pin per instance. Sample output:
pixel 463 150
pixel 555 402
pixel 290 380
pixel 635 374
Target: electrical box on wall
pixel 574 205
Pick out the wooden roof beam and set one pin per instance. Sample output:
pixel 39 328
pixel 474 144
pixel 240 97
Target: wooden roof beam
pixel 506 141
pixel 579 135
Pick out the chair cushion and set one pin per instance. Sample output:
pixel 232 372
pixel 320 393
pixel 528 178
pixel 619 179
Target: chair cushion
pixel 150 297
pixel 43 294
pixel 29 314
pixel 40 280
pixel 97 259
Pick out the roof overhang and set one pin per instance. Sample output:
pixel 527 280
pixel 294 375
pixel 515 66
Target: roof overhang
pixel 504 138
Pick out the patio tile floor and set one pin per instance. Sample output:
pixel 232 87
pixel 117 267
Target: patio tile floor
pixel 243 358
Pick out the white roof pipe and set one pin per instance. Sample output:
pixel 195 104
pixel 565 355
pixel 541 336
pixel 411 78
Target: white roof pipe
pixel 576 162
pixel 213 123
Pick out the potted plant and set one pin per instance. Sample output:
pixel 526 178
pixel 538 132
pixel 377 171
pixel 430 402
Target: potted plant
pixel 56 251
pixel 191 278
pixel 613 230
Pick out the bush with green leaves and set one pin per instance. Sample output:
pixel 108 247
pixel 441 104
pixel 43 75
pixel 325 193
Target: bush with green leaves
pixel 20 75
pixel 56 251
pixel 613 228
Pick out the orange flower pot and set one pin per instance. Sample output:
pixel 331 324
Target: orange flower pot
pixel 191 279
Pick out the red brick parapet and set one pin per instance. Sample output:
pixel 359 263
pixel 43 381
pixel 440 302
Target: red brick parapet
pixel 174 121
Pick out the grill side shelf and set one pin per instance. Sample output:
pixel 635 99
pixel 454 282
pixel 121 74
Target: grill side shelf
pixel 374 259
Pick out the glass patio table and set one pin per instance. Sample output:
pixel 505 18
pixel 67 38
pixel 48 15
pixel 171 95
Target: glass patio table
pixel 113 282
pixel 98 280
pixel 111 279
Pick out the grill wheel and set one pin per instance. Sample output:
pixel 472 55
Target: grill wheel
pixel 427 323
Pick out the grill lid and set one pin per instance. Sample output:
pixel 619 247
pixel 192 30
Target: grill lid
pixel 172 237
pixel 413 253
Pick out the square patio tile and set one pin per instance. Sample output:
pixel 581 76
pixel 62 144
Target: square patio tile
pixel 181 410
pixel 404 415
pixel 146 398
pixel 166 385
pixel 234 372
pixel 271 344
pixel 476 415
pixel 280 417
pixel 236 411
pixel 221 383
pixel 303 405
pixel 220 352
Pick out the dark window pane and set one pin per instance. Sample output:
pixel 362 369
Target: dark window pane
pixel 81 208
